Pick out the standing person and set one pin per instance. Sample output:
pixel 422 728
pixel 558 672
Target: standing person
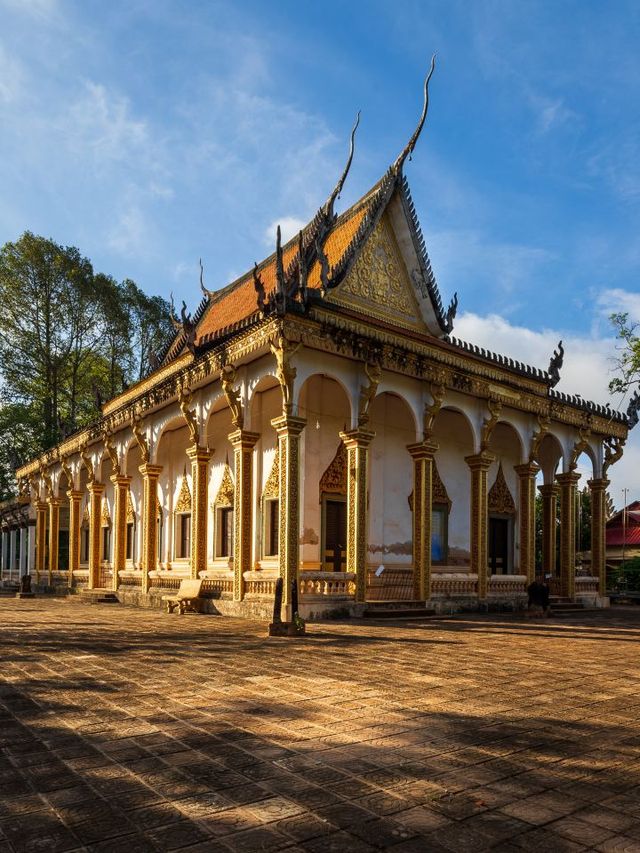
pixel 538 597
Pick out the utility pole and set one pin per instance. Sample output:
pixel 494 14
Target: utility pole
pixel 624 523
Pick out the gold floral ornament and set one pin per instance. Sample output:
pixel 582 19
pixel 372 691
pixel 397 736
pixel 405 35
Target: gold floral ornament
pixel 183 504
pixel 226 491
pixel 105 518
pixel 272 486
pixel 334 479
pixel 131 515
pixel 439 494
pixel 500 499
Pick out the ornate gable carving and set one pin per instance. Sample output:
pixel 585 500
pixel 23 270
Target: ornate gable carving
pixel 334 479
pixel 500 499
pixel 183 504
pixel 438 490
pixel 226 491
pixel 86 515
pixel 379 282
pixel 131 515
pixel 105 518
pixel 272 486
pixel 439 493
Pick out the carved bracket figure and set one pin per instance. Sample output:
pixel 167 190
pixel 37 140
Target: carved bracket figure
pixel 111 452
pixel 555 365
pixel 581 444
pixel 368 392
pixel 66 470
pixel 46 479
pixel 632 410
pixel 438 391
pixel 613 450
pixel 283 351
pixel 228 376
pixel 185 397
pixel 489 424
pixel 88 464
pixel 141 438
pixel 544 424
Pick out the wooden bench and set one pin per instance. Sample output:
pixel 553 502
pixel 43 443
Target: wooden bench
pixel 186 598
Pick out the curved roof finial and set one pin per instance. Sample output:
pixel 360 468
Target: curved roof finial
pixel 411 144
pixel 328 207
pixel 205 292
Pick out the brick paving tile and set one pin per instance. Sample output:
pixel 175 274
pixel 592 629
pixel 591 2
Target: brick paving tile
pixel 130 730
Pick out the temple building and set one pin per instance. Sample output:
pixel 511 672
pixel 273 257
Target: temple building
pixel 317 420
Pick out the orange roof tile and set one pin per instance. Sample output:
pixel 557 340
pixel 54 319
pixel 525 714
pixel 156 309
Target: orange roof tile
pixel 238 301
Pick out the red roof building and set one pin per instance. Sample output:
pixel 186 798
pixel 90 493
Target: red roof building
pixel 623 534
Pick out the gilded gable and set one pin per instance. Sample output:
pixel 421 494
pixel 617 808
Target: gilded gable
pixel 334 479
pixel 500 499
pixel 226 491
pixel 378 282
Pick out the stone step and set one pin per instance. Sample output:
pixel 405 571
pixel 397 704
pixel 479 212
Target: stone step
pixel 99 596
pixel 395 603
pixel 379 611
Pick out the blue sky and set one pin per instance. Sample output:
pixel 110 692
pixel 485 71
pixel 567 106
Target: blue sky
pixel 149 134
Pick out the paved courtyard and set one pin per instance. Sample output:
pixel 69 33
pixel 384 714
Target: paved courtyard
pixel 125 729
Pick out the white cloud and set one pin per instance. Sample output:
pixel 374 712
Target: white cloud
pixel 289 226
pixel 469 255
pixel 617 300
pixel 11 77
pixel 101 122
pixel 130 235
pixel 587 370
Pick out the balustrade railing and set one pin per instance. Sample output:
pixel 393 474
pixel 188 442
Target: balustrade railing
pixel 443 584
pixel 327 584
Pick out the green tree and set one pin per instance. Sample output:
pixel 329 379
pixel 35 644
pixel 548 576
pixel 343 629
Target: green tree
pixel 628 361
pixel 69 338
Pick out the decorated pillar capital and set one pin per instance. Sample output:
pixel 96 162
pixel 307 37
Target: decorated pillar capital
pixel 95 488
pixel 599 484
pixel 549 490
pixel 243 438
pixel 149 470
pixel 423 449
pixel 527 469
pixel 357 437
pixel 196 453
pixel 569 478
pixel 75 495
pixel 288 425
pixel 480 461
pixel 121 480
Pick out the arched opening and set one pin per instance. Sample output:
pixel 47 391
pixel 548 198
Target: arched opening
pixel 324 403
pixel 175 492
pixel 266 404
pixel 586 468
pixel 63 529
pixel 390 487
pixel 133 538
pixel 451 535
pixel 106 523
pixel 221 487
pixel 547 539
pixel 503 545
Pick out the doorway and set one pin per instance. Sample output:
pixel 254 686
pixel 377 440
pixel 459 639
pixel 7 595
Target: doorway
pixel 335 535
pixel 499 545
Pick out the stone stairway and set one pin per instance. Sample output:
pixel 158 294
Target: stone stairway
pixel 99 596
pixel 400 609
pixel 561 605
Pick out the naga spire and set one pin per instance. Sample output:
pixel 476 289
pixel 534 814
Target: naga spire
pixel 177 325
pixel 411 144
pixel 205 292
pixel 328 206
pixel 280 293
